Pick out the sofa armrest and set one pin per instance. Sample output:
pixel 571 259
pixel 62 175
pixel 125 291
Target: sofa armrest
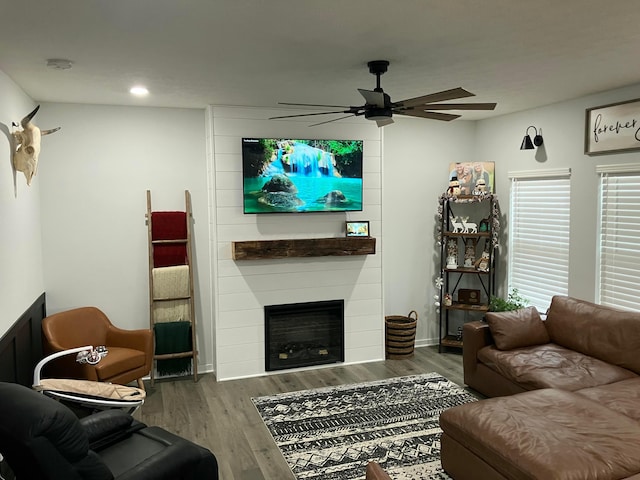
pixel 476 335
pixel 105 423
pixel 180 459
pixel 107 427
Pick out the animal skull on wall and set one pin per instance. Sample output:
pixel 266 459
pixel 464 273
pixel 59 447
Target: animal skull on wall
pixel 27 141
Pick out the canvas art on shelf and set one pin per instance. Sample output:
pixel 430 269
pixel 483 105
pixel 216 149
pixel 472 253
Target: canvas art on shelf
pixel 473 177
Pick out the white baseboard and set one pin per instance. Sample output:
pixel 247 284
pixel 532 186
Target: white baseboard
pixel 426 342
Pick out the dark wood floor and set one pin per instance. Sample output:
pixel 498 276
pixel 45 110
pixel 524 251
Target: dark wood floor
pixel 221 416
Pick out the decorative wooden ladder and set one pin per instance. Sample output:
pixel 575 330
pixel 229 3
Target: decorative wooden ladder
pixel 171 252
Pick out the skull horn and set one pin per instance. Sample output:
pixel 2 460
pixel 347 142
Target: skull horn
pixel 51 130
pixel 28 118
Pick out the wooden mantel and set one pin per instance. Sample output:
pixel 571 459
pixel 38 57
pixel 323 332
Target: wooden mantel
pixel 303 247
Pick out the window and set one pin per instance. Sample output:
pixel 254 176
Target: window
pixel 539 235
pixel 618 279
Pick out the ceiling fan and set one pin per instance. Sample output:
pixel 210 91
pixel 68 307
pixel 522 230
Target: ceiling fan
pixel 379 107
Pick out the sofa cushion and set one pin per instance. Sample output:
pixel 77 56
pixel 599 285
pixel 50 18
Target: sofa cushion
pixel 623 396
pixel 547 434
pixel 119 360
pixel 517 328
pixel 606 333
pixel 551 365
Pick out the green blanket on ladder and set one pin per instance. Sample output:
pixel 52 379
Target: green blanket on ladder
pixel 173 337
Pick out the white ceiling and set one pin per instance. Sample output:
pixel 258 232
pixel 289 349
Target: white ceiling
pixel 192 53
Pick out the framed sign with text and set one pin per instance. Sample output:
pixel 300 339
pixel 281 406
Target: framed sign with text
pixel 612 128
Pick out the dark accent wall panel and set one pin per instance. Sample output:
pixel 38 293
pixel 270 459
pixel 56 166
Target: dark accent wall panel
pixel 21 345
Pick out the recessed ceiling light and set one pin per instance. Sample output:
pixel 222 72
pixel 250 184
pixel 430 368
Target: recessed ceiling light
pixel 139 91
pixel 59 63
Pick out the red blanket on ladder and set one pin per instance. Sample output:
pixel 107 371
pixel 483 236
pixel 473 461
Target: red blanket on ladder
pixel 169 226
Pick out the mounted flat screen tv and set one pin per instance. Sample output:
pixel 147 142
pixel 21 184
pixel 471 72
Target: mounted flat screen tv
pixel 285 175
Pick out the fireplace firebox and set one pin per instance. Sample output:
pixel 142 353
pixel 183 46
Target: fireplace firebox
pixel 304 334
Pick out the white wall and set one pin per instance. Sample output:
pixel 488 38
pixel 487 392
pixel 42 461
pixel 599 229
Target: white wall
pixel 93 176
pixel 563 127
pixel 243 288
pixel 416 158
pixel 95 171
pixel 415 165
pixel 21 276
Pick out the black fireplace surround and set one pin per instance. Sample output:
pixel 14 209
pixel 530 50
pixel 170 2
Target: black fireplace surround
pixel 303 334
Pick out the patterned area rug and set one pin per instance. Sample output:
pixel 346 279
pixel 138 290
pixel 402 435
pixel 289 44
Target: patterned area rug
pixel 331 433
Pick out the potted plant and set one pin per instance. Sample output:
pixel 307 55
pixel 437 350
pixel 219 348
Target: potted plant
pixel 514 301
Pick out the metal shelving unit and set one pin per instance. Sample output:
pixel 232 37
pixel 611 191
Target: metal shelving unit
pixel 469 285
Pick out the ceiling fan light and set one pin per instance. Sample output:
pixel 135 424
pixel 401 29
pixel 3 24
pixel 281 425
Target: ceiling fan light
pixel 385 122
pixel 378 114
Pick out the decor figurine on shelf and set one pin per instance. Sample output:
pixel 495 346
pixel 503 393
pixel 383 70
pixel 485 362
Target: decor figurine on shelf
pixel 454 187
pixel 481 187
pixel 482 264
pixel 469 253
pixel 468 227
pixel 448 301
pixel 452 253
pixel 458 226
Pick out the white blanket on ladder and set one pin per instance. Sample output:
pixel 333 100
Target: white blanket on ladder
pixel 171 282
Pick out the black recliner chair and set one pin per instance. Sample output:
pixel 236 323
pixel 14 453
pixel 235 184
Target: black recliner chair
pixel 42 439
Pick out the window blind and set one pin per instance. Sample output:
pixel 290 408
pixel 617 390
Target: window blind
pixel 619 238
pixel 539 236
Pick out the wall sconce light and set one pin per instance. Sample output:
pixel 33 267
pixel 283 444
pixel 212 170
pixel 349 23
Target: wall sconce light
pixel 527 144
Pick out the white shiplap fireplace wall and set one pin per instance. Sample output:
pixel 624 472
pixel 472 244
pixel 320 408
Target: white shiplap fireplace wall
pixel 243 288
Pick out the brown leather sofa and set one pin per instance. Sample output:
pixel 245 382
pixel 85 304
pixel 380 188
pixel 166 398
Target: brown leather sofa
pixel 375 472
pixel 580 345
pixel 130 351
pixel 567 394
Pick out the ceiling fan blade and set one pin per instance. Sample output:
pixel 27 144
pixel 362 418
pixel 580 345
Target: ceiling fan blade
pixel 386 121
pixel 309 114
pixel 332 120
pixel 452 94
pixel 458 106
pixel 373 98
pixel 446 117
pixel 313 105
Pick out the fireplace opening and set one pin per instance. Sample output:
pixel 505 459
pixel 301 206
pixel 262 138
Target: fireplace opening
pixel 303 334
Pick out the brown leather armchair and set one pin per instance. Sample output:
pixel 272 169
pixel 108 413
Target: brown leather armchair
pixel 130 351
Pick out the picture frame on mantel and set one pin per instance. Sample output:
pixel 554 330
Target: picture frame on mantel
pixel 357 229
pixel 612 128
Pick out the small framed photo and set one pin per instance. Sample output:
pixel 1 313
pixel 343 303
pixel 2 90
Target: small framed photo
pixel 357 229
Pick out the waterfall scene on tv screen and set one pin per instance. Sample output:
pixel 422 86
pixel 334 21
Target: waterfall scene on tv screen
pixel 288 176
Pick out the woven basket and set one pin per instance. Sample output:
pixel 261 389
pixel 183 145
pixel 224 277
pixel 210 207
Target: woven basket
pixel 400 335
